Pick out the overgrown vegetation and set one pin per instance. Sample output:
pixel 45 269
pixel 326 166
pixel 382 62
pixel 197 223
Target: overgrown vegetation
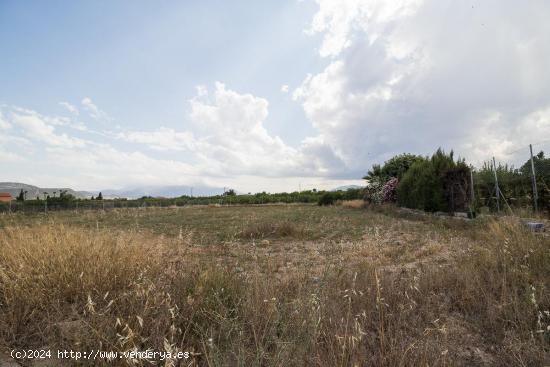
pixel 420 291
pixel 434 184
pixel 440 183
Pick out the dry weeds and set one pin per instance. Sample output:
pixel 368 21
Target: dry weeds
pixel 409 292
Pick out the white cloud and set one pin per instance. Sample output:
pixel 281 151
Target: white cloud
pixel 93 110
pixel 162 139
pixel 230 139
pixel 230 147
pixel 416 75
pixel 69 107
pixel 338 20
pixel 284 88
pixel 40 128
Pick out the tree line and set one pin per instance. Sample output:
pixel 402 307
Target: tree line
pixel 229 197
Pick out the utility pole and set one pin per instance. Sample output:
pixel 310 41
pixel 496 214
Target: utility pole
pixel 534 181
pixel 496 185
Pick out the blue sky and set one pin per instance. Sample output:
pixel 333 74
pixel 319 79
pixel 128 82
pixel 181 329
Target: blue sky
pixel 267 95
pixel 142 60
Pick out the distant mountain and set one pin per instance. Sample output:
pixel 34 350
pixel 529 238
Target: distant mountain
pixel 14 188
pixel 347 187
pixel 161 191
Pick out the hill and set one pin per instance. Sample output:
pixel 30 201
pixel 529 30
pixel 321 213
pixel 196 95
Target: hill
pixel 14 188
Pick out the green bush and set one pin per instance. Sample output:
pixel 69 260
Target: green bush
pixel 427 184
pixel 394 167
pixel 328 198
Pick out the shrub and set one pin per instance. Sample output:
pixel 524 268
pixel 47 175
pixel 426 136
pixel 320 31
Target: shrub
pixel 434 184
pixel 373 191
pixel 389 190
pixel 328 198
pixel 394 167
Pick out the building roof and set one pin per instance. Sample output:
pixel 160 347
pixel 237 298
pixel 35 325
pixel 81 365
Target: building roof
pixel 5 194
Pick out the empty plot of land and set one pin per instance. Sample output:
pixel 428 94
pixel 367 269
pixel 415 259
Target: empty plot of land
pixel 280 284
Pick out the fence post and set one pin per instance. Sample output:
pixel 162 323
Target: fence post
pixel 534 181
pixel 472 195
pixel 496 185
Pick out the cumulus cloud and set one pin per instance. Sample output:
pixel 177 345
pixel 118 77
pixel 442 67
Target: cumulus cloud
pixel 231 133
pixel 229 146
pixel 284 88
pixel 51 154
pixel 228 138
pixel 416 75
pixel 40 128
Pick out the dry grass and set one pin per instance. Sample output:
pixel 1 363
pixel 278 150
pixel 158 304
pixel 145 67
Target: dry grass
pixel 354 204
pixel 408 293
pixel 282 229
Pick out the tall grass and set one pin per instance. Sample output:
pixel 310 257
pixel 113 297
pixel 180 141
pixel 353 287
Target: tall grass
pixel 67 287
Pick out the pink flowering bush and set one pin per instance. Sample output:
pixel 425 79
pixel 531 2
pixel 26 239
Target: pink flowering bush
pixel 389 191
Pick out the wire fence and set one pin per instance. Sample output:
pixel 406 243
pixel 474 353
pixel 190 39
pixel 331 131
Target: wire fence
pixel 520 187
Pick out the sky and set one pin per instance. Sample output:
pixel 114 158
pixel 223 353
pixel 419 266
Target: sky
pixel 264 96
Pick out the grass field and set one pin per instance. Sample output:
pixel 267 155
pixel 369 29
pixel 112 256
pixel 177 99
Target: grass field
pixel 277 285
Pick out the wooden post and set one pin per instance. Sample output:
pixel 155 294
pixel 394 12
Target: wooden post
pixel 534 181
pixel 496 185
pixel 472 196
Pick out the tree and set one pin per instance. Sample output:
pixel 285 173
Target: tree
pixel 230 192
pixel 542 174
pixel 99 196
pixel 436 184
pixel 21 196
pixel 394 167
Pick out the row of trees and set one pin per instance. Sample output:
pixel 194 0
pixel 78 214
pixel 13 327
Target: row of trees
pixel 441 183
pixel 229 197
pixel 64 196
